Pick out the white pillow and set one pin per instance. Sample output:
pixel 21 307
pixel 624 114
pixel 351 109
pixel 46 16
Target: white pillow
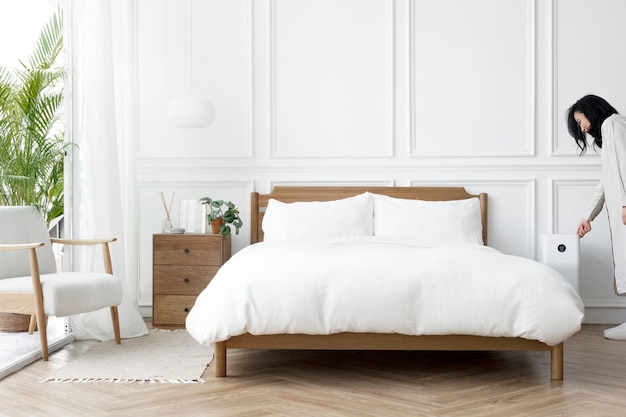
pixel 352 216
pixel 454 221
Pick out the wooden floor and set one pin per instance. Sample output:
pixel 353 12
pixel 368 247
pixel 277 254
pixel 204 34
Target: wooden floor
pixel 287 383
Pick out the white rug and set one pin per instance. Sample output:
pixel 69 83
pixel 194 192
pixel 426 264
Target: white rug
pixel 160 356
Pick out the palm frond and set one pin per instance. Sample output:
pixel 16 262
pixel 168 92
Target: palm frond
pixel 49 44
pixel 32 147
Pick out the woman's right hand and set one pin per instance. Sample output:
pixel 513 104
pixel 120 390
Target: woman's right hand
pixel 584 227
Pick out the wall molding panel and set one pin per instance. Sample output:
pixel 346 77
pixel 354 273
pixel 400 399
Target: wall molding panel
pixel 317 49
pixel 455 105
pixel 211 55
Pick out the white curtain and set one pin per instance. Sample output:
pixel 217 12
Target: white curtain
pixel 102 119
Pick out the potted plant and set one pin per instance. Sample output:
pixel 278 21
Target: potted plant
pixel 221 214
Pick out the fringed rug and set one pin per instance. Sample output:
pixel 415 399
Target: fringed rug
pixel 160 356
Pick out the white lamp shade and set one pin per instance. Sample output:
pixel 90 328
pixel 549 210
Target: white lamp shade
pixel 191 111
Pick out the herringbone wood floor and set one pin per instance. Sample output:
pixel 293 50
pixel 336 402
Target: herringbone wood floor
pixel 285 383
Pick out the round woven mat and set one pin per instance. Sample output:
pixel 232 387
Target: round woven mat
pixel 11 322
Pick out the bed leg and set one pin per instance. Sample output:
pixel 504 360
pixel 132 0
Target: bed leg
pixel 556 362
pixel 220 359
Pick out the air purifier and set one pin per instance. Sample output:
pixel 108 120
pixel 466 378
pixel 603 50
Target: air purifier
pixel 562 253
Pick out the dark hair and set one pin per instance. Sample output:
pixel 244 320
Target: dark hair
pixel 596 110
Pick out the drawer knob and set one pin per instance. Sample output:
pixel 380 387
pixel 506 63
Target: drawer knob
pixel 186 310
pixel 186 280
pixel 186 250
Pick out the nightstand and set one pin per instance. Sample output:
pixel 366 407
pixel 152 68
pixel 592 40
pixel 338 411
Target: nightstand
pixel 182 266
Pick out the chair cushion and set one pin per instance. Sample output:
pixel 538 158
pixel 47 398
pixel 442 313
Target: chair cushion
pixel 68 293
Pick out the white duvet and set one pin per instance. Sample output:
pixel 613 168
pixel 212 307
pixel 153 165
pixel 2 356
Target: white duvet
pixel 370 284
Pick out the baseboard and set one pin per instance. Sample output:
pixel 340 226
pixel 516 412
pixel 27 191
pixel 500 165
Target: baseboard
pixel 145 311
pixel 605 315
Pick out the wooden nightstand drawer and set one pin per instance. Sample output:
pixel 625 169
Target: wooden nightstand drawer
pixel 182 279
pixel 182 266
pixel 187 250
pixel 172 309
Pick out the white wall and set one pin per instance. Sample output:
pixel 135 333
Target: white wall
pixel 382 92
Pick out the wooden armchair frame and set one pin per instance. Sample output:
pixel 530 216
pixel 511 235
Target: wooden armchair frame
pixel 32 303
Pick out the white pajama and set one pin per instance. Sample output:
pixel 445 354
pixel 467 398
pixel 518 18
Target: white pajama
pixel 611 191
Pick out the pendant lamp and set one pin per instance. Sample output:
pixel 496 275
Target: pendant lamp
pixel 191 111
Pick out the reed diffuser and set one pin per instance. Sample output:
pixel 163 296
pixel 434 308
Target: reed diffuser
pixel 166 223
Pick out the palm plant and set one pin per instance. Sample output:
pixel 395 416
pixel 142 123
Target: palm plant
pixel 32 147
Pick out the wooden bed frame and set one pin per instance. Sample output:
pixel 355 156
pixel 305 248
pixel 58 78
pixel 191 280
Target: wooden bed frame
pixel 374 341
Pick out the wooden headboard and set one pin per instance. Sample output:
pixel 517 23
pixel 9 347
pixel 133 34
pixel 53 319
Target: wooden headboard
pixel 327 193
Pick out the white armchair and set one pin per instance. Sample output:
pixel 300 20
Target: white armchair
pixel 30 283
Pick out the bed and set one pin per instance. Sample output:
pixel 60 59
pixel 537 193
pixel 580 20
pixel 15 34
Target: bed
pixel 381 268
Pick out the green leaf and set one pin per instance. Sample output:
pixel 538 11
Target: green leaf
pixel 228 216
pixel 32 147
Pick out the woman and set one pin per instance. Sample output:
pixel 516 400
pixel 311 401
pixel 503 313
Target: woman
pixel 594 116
